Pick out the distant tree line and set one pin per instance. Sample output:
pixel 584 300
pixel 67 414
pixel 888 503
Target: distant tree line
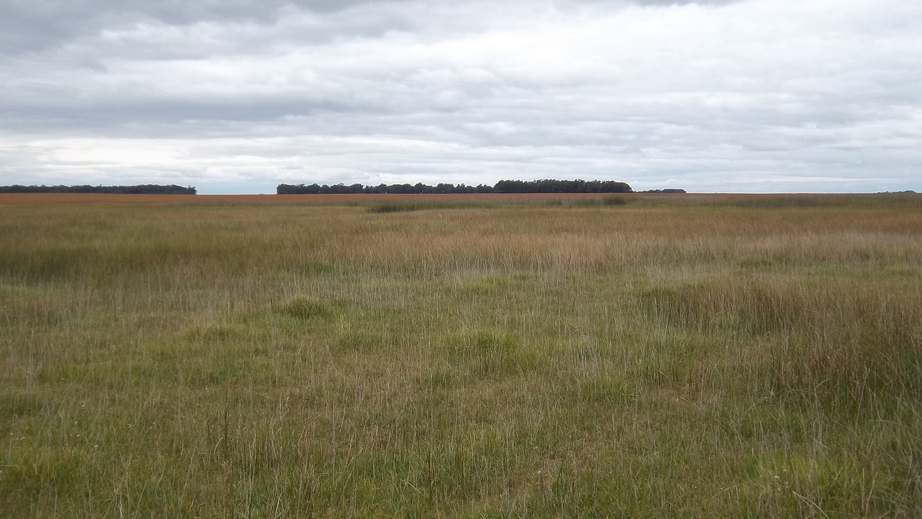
pixel 503 186
pixel 669 190
pixel 130 190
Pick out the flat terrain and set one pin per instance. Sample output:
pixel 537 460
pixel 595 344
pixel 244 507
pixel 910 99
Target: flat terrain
pixel 87 198
pixel 69 198
pixel 461 356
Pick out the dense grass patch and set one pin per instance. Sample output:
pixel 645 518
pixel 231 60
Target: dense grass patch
pixel 421 204
pixel 847 345
pixel 666 357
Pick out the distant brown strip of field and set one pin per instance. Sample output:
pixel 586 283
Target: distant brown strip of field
pixel 100 198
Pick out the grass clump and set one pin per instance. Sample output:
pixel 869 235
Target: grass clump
pixel 858 353
pixel 306 308
pixel 594 201
pixel 488 352
pixel 419 204
pixel 843 346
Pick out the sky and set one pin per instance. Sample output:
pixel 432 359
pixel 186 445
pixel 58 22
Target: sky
pixel 238 96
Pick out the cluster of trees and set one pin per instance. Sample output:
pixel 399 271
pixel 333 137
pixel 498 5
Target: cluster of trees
pixel 668 190
pixel 503 186
pixel 561 186
pixel 341 189
pixel 133 190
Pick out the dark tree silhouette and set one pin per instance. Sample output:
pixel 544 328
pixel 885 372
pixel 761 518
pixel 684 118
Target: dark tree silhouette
pixel 132 190
pixel 503 186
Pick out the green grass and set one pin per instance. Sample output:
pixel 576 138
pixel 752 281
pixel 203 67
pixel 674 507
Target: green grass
pixel 656 359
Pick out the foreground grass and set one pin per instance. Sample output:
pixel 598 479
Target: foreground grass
pixel 672 359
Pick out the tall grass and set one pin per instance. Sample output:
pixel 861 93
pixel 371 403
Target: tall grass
pixel 656 358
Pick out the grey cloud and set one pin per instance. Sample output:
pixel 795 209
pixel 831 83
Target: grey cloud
pixel 646 3
pixel 43 24
pixel 682 2
pixel 438 91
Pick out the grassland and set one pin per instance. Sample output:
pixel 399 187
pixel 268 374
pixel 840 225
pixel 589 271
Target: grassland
pixel 660 356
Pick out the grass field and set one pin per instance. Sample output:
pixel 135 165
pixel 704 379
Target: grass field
pixel 626 356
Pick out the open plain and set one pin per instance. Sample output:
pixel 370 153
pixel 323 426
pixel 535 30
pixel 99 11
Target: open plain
pixel 461 356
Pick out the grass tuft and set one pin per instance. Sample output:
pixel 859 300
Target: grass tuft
pixel 307 308
pixel 489 352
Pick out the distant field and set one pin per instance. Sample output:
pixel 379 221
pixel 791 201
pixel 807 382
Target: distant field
pixel 54 198
pixel 83 198
pixel 461 355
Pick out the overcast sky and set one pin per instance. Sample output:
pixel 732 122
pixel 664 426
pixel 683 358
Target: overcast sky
pixel 237 96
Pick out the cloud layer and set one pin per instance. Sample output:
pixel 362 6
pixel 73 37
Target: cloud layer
pixel 238 96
